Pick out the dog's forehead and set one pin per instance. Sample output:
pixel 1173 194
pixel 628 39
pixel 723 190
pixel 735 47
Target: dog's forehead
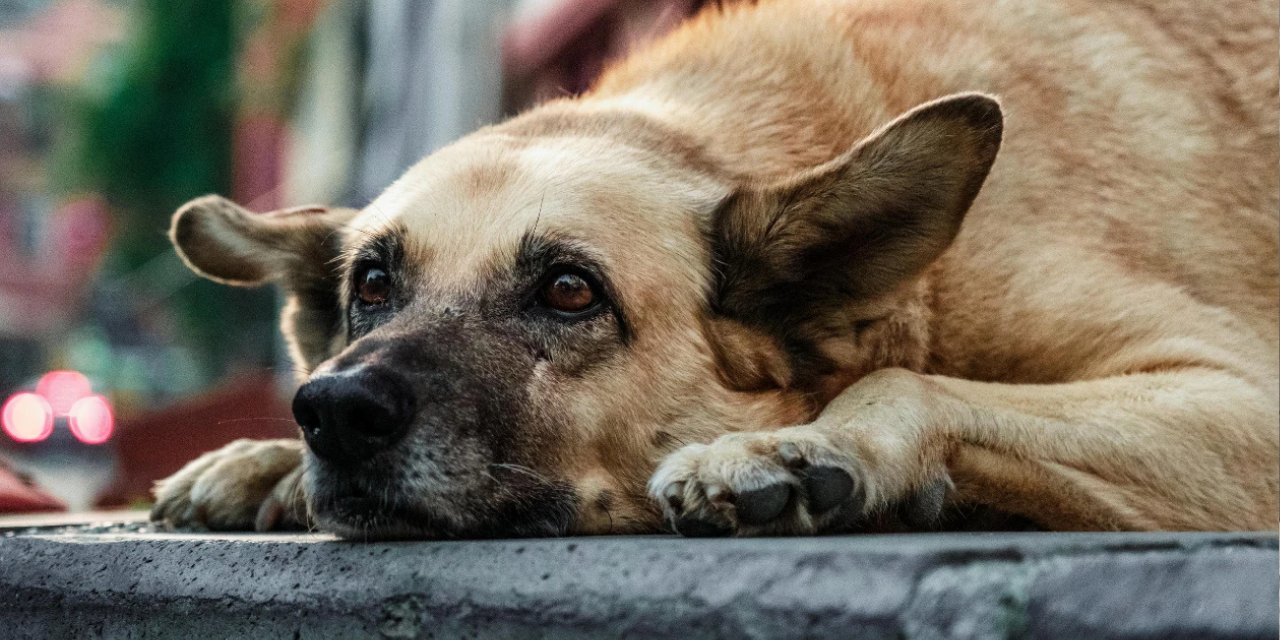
pixel 465 209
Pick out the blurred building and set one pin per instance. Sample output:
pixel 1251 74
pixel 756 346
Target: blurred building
pixel 49 246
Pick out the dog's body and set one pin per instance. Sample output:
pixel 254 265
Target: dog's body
pixel 1097 347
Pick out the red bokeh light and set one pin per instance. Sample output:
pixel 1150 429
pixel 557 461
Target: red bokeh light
pixel 62 389
pixel 27 417
pixel 91 420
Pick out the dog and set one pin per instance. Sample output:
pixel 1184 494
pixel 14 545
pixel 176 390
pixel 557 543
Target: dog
pixel 799 267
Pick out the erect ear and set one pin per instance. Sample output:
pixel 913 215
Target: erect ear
pixel 859 226
pixel 294 248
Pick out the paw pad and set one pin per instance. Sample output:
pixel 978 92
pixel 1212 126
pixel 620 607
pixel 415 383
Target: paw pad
pixel 924 508
pixel 760 506
pixel 827 488
pixel 694 527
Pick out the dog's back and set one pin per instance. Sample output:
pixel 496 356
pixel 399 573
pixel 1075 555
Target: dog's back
pixel 1137 188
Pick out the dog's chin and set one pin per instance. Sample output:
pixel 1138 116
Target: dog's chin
pixel 355 514
pixel 358 518
pixel 361 519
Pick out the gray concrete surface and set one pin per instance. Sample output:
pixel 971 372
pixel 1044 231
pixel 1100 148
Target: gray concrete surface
pixel 79 583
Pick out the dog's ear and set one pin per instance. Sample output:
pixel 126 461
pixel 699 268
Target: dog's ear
pixel 222 241
pixel 294 248
pixel 859 226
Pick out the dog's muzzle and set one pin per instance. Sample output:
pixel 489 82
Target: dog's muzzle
pixel 429 433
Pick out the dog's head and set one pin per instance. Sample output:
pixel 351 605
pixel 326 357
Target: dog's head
pixel 510 338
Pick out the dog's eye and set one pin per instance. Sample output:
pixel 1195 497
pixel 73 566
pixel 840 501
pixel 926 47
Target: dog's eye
pixel 569 293
pixel 374 286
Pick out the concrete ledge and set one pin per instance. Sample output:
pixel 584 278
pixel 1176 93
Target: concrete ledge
pixel 76 585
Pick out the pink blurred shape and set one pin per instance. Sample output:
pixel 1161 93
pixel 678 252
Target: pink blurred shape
pixel 27 417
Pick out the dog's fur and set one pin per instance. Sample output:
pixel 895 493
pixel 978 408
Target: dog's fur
pixel 801 334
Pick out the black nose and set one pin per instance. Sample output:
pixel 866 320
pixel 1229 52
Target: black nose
pixel 348 416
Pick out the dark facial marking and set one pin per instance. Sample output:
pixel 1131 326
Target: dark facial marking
pixel 542 261
pixel 379 279
pixel 475 434
pixel 317 285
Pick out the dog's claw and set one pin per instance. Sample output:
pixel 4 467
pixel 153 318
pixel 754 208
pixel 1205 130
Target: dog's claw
pixel 674 495
pixel 828 487
pixel 760 506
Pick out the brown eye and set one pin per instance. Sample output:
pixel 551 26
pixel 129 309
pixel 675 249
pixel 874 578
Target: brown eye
pixel 374 286
pixel 568 293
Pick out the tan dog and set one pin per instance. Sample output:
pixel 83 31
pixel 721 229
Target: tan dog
pixel 731 286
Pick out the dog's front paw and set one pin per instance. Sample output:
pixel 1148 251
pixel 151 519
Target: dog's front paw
pixel 245 486
pixel 787 482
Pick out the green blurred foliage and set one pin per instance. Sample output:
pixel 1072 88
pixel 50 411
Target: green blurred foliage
pixel 153 130
pixel 163 131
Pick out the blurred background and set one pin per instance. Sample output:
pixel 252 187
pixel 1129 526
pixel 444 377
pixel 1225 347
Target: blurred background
pixel 117 364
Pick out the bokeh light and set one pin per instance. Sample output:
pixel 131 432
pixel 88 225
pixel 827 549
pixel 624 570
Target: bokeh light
pixel 91 420
pixel 62 389
pixel 27 417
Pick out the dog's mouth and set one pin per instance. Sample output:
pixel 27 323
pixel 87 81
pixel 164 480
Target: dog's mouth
pixel 364 518
pixel 385 513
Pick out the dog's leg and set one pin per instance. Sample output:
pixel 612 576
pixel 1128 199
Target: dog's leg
pixel 247 485
pixel 1178 449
